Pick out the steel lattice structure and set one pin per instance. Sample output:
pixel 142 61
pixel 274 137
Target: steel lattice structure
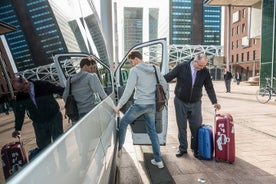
pixel 177 54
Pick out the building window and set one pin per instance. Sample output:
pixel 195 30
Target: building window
pixel 243 13
pixel 247 58
pixel 243 28
pixel 237 44
pixel 238 30
pixel 232 58
pixel 233 45
pixel 242 57
pixel 254 55
pixel 237 58
pixel 233 31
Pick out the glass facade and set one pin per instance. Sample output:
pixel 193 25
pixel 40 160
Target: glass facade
pixel 181 24
pixel 211 25
pixel 268 56
pixel 16 40
pixel 192 23
pixel 153 23
pixel 133 27
pixel 97 37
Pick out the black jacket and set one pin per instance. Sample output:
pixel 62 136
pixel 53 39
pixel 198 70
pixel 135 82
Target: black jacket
pixel 228 76
pixel 184 89
pixel 47 107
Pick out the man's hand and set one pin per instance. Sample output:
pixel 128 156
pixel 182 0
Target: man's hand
pixel 116 109
pixel 15 133
pixel 217 106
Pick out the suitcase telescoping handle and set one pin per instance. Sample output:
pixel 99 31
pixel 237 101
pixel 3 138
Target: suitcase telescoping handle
pixel 215 115
pixel 19 139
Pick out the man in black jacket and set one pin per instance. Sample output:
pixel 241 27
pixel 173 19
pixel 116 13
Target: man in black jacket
pixel 191 77
pixel 36 98
pixel 227 75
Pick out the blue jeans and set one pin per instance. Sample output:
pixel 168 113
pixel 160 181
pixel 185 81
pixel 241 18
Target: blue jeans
pixel 148 111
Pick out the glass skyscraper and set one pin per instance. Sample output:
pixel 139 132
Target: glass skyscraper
pixel 192 23
pixel 133 27
pixel 211 25
pixel 16 40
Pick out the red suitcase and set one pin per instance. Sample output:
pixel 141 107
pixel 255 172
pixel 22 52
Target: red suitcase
pixel 224 138
pixel 13 158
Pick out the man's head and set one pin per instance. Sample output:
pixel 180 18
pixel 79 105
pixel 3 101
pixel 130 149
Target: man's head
pixel 200 61
pixel 21 84
pixel 135 57
pixel 88 64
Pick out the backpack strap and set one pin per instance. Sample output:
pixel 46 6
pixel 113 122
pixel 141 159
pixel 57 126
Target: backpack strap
pixel 156 74
pixel 70 85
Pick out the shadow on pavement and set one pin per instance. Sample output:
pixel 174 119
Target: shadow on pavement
pixel 190 170
pixel 128 170
pixel 156 175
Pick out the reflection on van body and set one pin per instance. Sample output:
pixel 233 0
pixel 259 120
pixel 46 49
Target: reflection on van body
pixel 81 155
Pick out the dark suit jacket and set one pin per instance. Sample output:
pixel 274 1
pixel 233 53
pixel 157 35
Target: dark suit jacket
pixel 184 89
pixel 47 106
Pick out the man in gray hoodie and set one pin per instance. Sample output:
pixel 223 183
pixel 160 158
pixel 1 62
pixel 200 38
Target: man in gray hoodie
pixel 85 86
pixel 141 78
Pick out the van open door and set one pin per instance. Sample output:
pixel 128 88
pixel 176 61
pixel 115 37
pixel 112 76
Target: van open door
pixel 154 52
pixel 68 64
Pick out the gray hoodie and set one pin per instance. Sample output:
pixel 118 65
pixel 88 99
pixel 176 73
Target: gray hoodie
pixel 85 87
pixel 143 80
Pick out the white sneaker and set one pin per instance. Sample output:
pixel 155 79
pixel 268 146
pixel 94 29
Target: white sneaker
pixel 160 164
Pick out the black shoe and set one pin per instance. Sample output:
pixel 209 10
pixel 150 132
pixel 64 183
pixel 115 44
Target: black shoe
pixel 180 153
pixel 196 155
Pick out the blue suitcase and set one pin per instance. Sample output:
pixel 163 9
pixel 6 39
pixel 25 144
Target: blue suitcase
pixel 205 142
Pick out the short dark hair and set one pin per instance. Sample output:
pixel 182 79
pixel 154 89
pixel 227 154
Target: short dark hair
pixel 18 79
pixel 87 61
pixel 135 53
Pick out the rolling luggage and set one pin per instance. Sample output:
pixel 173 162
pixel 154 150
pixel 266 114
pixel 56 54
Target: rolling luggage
pixel 33 153
pixel 224 138
pixel 205 142
pixel 13 158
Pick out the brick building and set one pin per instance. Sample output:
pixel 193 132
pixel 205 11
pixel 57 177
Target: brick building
pixel 244 50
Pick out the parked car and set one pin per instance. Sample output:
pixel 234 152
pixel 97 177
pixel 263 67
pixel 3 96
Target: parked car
pixel 254 81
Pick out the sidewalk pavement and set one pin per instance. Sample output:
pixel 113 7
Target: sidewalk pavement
pixel 255 137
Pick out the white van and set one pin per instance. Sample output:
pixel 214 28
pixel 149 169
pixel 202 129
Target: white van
pixel 87 152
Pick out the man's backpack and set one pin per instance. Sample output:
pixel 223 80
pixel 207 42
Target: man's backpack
pixel 71 108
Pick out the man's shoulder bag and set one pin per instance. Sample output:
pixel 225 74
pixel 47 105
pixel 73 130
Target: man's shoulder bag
pixel 160 95
pixel 71 108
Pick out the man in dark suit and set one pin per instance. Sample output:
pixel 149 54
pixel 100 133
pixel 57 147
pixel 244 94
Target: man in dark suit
pixel 191 77
pixel 36 98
